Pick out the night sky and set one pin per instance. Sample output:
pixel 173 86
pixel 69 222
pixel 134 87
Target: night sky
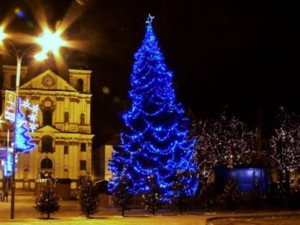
pixel 244 54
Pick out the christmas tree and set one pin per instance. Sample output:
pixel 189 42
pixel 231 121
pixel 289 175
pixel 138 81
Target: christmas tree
pixel 155 142
pixel 122 197
pixel 179 197
pixel 88 197
pixel 150 199
pixel 47 201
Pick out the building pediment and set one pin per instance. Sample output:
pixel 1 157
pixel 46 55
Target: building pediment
pixel 48 80
pixel 48 128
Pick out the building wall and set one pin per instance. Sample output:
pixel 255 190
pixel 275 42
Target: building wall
pixel 108 155
pixel 54 94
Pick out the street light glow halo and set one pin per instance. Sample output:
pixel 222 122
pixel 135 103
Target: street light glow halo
pixel 2 34
pixel 51 41
pixel 41 56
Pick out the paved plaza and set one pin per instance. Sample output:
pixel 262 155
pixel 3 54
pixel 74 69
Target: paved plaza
pixel 69 213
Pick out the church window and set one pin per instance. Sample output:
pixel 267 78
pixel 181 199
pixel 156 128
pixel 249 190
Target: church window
pixel 83 147
pixel 66 149
pixel 46 163
pixel 80 85
pixel 47 142
pixel 27 113
pixel 82 164
pixel 66 117
pixel 47 117
pixel 82 119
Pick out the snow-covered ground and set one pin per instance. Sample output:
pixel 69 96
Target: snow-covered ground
pixel 69 213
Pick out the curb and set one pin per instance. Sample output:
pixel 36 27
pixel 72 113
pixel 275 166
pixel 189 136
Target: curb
pixel 210 221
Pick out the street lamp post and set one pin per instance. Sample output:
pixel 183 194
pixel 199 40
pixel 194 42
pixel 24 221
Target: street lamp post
pixel 49 39
pixel 5 185
pixel 19 57
pixel 13 181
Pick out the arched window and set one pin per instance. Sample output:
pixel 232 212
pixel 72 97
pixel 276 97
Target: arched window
pixel 80 85
pixel 13 81
pixel 47 117
pixel 47 144
pixel 46 163
pixel 82 119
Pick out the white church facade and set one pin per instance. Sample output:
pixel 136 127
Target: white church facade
pixel 63 138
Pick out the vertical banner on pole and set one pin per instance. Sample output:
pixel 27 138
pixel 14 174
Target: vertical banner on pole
pixel 10 106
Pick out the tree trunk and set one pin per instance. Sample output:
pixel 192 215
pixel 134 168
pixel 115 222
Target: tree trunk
pixel 123 211
pixel 287 181
pixel 48 215
pixel 153 209
pixel 280 177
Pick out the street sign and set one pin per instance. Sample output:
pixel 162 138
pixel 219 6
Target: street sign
pixel 10 106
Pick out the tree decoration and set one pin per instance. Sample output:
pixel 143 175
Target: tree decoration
pixel 32 123
pixel 7 163
pixel 222 142
pixel 285 145
pixel 155 142
pixel 22 139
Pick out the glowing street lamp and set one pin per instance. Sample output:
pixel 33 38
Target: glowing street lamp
pixel 49 42
pixel 2 34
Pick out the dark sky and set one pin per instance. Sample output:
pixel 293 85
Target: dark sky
pixel 241 53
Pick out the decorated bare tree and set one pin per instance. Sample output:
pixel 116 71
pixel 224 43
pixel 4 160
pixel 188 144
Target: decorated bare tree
pixel 225 141
pixel 285 146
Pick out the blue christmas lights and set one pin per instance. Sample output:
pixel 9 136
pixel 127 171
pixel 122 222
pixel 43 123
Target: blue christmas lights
pixel 155 142
pixel 7 164
pixel 22 140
